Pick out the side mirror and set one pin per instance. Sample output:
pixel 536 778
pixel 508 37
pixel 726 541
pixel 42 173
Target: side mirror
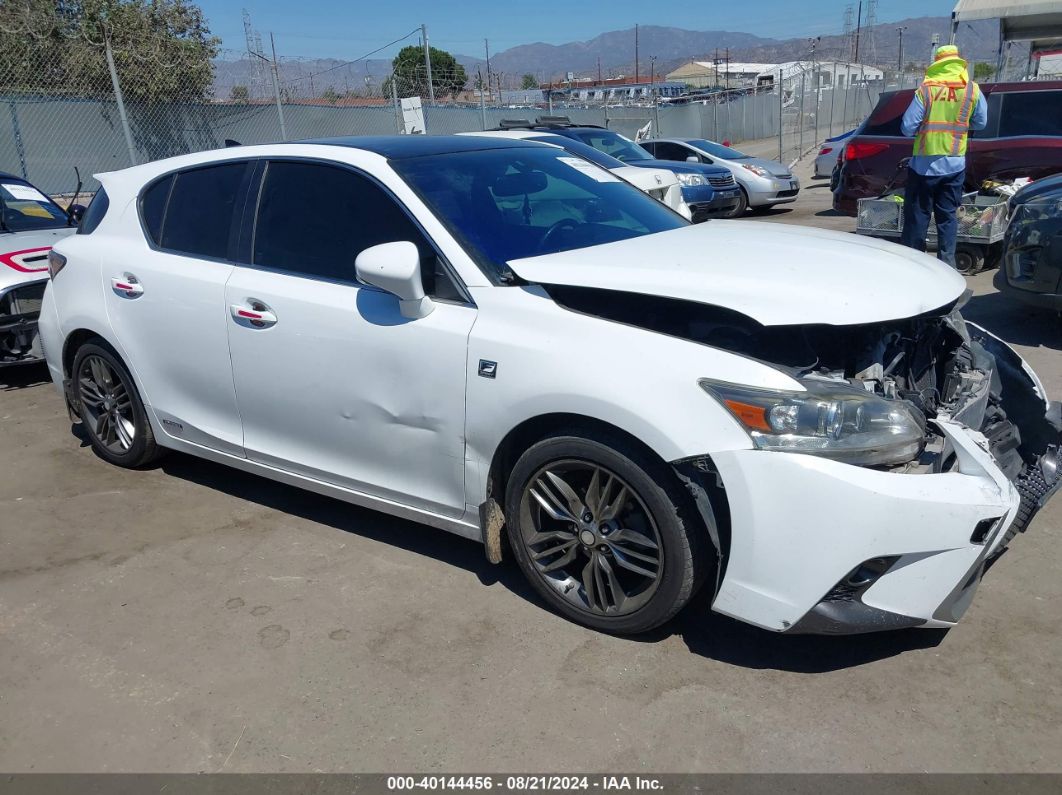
pixel 395 268
pixel 76 213
pixel 693 159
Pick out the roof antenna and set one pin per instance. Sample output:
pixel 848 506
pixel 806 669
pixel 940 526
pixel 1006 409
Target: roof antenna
pixel 70 207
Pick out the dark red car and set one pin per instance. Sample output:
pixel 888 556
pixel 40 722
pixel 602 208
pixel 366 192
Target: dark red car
pixel 1023 139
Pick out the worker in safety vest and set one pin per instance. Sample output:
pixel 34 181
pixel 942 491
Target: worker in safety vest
pixel 945 108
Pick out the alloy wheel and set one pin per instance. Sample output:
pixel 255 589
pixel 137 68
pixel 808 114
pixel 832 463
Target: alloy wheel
pixel 591 538
pixel 106 406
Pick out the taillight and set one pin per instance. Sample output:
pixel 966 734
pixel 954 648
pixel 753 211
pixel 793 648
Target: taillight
pixel 825 150
pixel 56 262
pixel 854 151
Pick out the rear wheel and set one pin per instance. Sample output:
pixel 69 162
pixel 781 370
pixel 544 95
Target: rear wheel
pixel 110 407
pixel 598 529
pixel 969 259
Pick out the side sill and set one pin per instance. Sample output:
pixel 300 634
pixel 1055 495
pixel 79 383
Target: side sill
pixel 459 527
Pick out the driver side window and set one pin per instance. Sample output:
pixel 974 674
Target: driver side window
pixel 314 219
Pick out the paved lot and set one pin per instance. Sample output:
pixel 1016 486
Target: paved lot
pixel 192 618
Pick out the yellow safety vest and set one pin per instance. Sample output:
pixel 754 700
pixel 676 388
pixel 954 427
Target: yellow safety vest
pixel 948 104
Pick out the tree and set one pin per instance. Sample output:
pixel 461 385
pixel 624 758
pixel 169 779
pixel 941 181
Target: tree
pixel 983 71
pixel 330 95
pixel 410 73
pixel 239 94
pixel 528 81
pixel 163 50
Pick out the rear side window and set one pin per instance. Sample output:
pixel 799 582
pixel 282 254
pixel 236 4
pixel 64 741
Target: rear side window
pixel 198 216
pixel 887 117
pixel 94 213
pixel 314 219
pixel 153 208
pixel 1031 113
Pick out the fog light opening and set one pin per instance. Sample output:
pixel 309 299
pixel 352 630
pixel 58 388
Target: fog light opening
pixel 865 573
pixel 983 530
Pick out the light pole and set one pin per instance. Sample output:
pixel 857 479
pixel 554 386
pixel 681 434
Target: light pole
pixel 899 59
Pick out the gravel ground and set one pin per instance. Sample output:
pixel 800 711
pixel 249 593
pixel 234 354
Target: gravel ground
pixel 192 618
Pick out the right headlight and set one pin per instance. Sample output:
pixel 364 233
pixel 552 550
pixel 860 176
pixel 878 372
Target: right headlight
pixel 832 420
pixel 691 180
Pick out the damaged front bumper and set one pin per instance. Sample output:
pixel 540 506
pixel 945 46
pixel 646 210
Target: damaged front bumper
pixel 841 549
pixel 20 308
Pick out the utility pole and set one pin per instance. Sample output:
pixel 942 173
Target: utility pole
pixel 276 89
pixel 859 25
pixel 117 97
pixel 635 53
pixel 652 86
pixel 427 64
pixel 486 50
pixel 599 70
pixel 728 71
pixel 899 59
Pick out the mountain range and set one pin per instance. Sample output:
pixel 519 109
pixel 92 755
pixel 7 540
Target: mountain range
pixel 660 50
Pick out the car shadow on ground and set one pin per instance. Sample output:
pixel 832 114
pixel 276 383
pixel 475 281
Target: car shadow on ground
pixel 1015 322
pixel 705 633
pixel 764 213
pixel 23 376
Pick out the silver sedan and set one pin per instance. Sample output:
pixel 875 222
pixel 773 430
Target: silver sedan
pixel 764 183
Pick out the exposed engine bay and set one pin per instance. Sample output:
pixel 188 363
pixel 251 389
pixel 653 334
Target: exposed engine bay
pixel 936 363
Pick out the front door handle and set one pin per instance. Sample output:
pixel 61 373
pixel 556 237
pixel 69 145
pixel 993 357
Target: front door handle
pixel 253 313
pixel 127 286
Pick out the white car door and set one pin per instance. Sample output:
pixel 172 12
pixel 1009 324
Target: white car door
pixel 332 382
pixel 165 293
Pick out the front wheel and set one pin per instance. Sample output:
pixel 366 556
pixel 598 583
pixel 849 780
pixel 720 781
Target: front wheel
pixel 110 408
pixel 742 205
pixel 599 530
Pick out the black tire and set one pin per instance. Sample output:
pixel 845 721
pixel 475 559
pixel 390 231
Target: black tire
pixel 742 205
pixel 969 260
pixel 142 448
pixel 683 542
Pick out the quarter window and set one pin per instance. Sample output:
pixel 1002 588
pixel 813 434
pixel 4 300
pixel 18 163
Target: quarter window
pixel 153 207
pixel 198 217
pixel 314 219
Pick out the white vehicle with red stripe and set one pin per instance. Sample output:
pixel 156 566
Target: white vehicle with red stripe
pixel 30 223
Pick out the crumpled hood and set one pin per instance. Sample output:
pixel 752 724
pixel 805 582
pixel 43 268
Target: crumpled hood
pixel 19 261
pixel 776 274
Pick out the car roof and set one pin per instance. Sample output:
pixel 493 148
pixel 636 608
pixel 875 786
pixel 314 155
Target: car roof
pixel 398 147
pixel 6 175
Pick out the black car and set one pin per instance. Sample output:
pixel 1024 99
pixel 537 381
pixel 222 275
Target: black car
pixel 1032 248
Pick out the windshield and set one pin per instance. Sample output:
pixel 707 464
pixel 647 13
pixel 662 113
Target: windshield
pixel 24 208
pixel 613 144
pixel 581 149
pixel 507 204
pixel 718 150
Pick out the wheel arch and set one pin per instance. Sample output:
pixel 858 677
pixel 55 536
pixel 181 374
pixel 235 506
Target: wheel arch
pixel 698 477
pixel 78 337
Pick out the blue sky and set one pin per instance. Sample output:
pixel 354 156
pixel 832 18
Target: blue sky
pixel 345 29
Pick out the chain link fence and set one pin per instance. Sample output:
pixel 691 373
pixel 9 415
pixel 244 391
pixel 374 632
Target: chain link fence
pixel 98 104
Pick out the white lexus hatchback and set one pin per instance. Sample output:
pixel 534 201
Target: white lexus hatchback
pixel 492 338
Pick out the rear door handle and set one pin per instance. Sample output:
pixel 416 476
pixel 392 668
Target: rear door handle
pixel 254 313
pixel 127 286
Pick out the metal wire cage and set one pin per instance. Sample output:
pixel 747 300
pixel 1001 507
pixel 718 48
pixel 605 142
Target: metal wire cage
pixel 982 219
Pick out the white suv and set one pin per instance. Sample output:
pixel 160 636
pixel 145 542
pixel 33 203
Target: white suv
pixel 506 342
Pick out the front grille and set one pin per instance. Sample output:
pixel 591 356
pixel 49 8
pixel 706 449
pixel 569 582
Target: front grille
pixel 782 176
pixel 783 194
pixel 25 300
pixel 722 182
